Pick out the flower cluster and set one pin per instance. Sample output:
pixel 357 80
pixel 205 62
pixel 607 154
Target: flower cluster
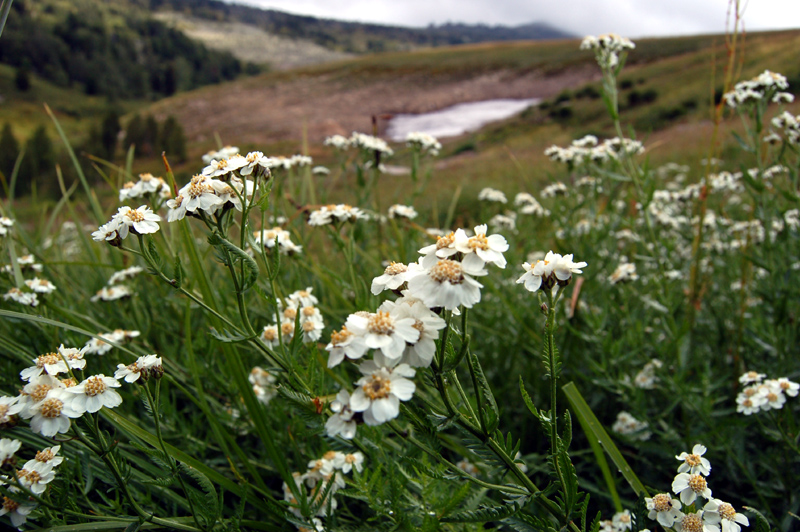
pixel 5 225
pixel 607 48
pixel 789 126
pixel 587 149
pixel 424 143
pixel 206 194
pixel 765 87
pixel 690 484
pixel 34 476
pixel 402 211
pixel 145 367
pixel 141 221
pixel 299 310
pixel 529 205
pixel 763 395
pixel 553 269
pixel 625 272
pixel 621 522
pixel 263 384
pixel 146 186
pixel 370 144
pixel 646 379
pixel 328 214
pixel 492 195
pixel 324 477
pixel 103 343
pixel 268 238
pixel 218 155
pixel 29 299
pixel 627 425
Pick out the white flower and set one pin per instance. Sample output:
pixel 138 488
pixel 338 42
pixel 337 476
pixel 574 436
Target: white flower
pixel 689 486
pixel 127 273
pixel 402 211
pixel 695 522
pixel 788 387
pixel 694 463
pixel 270 335
pixel 5 223
pixel 343 344
pixel 423 142
pixel 664 509
pixel 143 366
pixel 442 249
pixel 624 272
pixel 541 273
pixel 51 416
pixel 94 393
pixel 23 298
pixel 394 276
pixel 112 293
pixel 488 249
pixel 380 392
pixel 384 331
pixel 41 286
pixel 622 521
pixel 627 425
pixel 47 456
pixel 17 511
pixel 490 194
pixel 222 167
pixel 447 283
pixel 751 377
pixel 141 221
pixel 263 384
pixel 7 449
pixel 107 231
pixel 421 352
pixel 341 423
pixel 54 363
pixel 35 476
pixel 353 461
pixel 719 512
pixel 103 344
pixel 6 403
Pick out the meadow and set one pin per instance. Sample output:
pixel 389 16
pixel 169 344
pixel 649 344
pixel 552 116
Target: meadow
pixel 271 344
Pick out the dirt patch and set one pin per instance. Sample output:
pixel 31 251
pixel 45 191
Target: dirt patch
pixel 324 105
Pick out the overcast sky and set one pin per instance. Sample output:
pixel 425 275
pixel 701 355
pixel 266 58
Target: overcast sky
pixel 631 18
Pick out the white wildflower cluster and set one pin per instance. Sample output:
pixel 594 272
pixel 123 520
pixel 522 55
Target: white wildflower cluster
pixel 146 186
pixel 28 299
pixel 219 155
pixel 587 149
pixel 766 87
pixel 424 143
pixel 629 426
pixel 339 142
pixel 554 269
pixel 329 214
pixel 529 205
pixel 35 285
pixel 324 477
pixel 320 170
pixel 141 221
pixel 269 237
pixel 206 194
pixel 144 368
pixel 402 211
pixel 6 224
pixel 123 275
pixel 492 195
pixel 625 272
pixel 621 522
pixel 646 378
pixel 763 395
pixel 691 484
pixel 299 309
pixel 113 289
pixel 607 48
pixel 556 189
pixel 288 163
pixel 504 222
pixel 34 476
pixel 370 144
pixel 788 125
pixel 103 343
pixel 263 384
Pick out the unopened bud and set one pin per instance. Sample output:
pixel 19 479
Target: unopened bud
pixel 543 308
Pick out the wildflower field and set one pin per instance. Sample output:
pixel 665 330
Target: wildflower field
pixel 614 351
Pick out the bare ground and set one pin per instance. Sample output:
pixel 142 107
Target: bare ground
pixel 263 113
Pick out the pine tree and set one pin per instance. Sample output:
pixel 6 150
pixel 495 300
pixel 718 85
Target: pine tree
pixel 174 140
pixel 9 150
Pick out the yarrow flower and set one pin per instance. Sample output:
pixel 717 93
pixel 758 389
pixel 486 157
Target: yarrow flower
pixel 554 268
pixel 23 298
pixel 402 211
pixel 147 184
pixel 607 48
pixel 94 393
pixel 694 463
pixel 425 143
pixel 328 214
pixel 341 423
pixel 144 367
pixel 688 486
pixel 380 391
pixel 493 195
pixel 724 514
pixel 664 509
pixel 5 224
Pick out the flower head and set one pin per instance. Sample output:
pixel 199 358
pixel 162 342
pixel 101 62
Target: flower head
pixel 694 463
pixel 380 391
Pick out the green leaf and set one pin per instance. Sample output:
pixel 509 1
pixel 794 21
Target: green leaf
pixel 595 432
pixel 527 398
pixel 487 407
pixel 250 266
pixel 761 523
pixel 453 359
pixel 228 337
pixel 488 513
pixel 208 504
pixel 178 273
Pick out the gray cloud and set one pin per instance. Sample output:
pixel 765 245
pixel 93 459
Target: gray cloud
pixel 633 18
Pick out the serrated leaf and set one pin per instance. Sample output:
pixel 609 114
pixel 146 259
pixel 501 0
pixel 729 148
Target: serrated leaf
pixel 208 507
pixel 164 482
pixel 527 398
pixel 178 273
pixel 228 337
pixel 453 359
pixel 151 249
pixel 761 523
pixel 488 513
pixel 528 523
pixel 487 406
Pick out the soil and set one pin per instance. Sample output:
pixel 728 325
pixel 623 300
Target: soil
pixel 323 105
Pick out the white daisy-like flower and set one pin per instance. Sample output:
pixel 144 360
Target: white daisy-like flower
pixel 35 476
pixel 200 194
pixel 6 403
pixel 394 276
pixel 402 211
pixel 5 224
pixel 748 405
pixel 419 353
pixel 127 273
pixel 7 449
pixel 622 521
pixel 384 331
pixel 688 486
pixel 223 167
pixel 424 142
pixel 141 221
pixel 111 293
pixel 144 366
pixel 102 344
pixel 107 231
pixel 774 398
pixel 353 461
pixel 694 463
pixel 625 272
pixel 664 509
pixel 270 335
pixel 263 384
pixel 48 455
pixel 380 391
pixel 724 514
pixel 23 298
pixel 493 195
pixel 54 363
pixel 343 344
pixel 786 386
pixel 94 393
pixel 442 249
pixel 40 286
pixel 488 249
pixel 752 377
pixel 540 273
pixel 448 284
pixel 17 511
pixel 695 522
pixel 51 415
pixel 341 423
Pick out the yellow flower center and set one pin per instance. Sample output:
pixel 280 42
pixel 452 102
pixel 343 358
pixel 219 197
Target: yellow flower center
pixel 340 337
pixel 381 323
pixel 198 189
pixel 94 386
pixel 478 242
pixel 40 392
pixel 287 328
pixel 784 385
pixel 10 505
pixel 309 311
pixel 31 476
pixel 662 502
pixel 49 358
pixel 445 241
pixel 377 387
pixel 395 268
pixel 749 392
pixel 350 459
pixel 726 511
pixel 697 483
pixel 771 397
pixel 3 411
pixel 693 460
pixel 447 270
pixel 69 383
pixel 134 215
pixel 308 326
pixel 330 455
pixel 692 523
pixel 44 456
pixel 290 313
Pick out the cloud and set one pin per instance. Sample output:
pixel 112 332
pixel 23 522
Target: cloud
pixel 633 18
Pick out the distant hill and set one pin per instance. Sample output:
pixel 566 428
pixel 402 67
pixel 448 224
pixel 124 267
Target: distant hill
pixel 354 37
